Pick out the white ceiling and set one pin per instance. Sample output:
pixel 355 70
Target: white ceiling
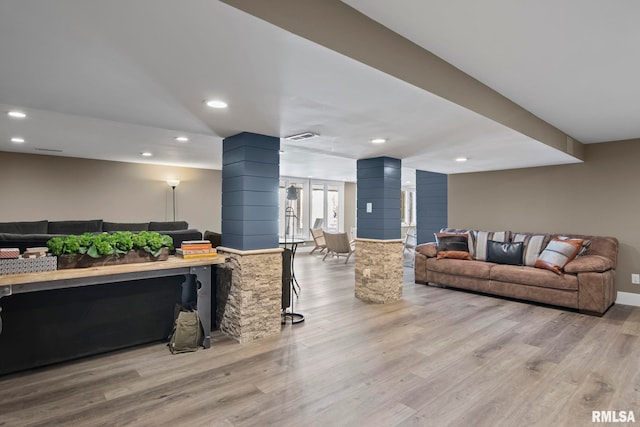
pixel 573 63
pixel 109 80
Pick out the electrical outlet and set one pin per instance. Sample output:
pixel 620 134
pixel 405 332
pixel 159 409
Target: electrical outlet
pixel 635 279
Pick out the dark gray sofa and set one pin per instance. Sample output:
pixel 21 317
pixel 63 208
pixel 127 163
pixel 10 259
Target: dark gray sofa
pixel 27 234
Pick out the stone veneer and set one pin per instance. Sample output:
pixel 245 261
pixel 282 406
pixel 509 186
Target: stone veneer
pixel 249 293
pixel 378 270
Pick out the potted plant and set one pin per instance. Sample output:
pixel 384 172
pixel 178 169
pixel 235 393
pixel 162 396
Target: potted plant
pixel 121 247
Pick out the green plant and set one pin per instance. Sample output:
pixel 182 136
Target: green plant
pixel 118 243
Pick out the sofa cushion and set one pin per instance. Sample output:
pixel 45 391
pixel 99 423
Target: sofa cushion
pixel 24 227
pixel 533 276
pixel 125 226
pixel 216 238
pixel 533 246
pixel 75 227
pixel 504 252
pixel 558 253
pixel 477 269
pixel 589 263
pixel 481 238
pixel 168 226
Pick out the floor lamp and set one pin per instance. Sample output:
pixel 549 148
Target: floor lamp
pixel 173 183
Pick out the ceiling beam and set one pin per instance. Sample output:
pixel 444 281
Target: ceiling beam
pixel 337 26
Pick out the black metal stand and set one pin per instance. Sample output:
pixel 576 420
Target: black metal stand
pixel 290 286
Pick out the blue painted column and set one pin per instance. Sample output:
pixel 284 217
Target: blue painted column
pixel 431 204
pixel 378 269
pixel 379 192
pixel 250 183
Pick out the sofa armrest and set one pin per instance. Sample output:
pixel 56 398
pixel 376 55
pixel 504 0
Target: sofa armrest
pixel 589 263
pixel 430 250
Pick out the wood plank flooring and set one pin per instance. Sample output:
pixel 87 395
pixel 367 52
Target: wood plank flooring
pixel 438 357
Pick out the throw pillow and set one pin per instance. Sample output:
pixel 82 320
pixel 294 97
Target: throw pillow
pixel 452 242
pixel 469 234
pixel 558 253
pixel 533 245
pixel 454 255
pixel 586 243
pixel 504 252
pixel 482 237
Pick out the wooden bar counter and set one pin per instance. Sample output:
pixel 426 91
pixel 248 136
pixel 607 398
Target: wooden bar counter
pixel 105 275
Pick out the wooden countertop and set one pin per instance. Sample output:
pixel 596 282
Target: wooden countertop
pixel 75 273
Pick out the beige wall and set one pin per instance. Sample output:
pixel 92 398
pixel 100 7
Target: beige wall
pixel 38 187
pixel 599 197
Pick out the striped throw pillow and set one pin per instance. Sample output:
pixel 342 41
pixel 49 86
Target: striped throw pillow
pixel 558 253
pixel 533 245
pixel 469 234
pixel 586 244
pixel 482 237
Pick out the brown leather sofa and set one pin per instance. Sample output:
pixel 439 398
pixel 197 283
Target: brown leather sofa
pixel 587 284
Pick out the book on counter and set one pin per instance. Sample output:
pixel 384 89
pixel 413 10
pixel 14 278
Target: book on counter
pixel 195 245
pixel 196 242
pixel 196 253
pixel 35 252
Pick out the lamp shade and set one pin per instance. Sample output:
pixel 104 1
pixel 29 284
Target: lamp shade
pixel 292 193
pixel 173 183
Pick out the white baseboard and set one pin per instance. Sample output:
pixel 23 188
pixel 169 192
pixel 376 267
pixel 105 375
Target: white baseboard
pixel 627 298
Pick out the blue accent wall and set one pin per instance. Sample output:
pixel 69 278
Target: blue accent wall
pixel 431 204
pixel 379 183
pixel 250 182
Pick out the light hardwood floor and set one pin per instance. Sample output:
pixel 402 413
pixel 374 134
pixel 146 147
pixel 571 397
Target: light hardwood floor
pixel 438 357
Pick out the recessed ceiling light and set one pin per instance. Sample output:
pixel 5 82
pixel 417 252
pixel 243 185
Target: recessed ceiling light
pixel 17 140
pixel 147 154
pixel 407 182
pixel 281 151
pixel 182 139
pixel 461 159
pixel 378 141
pixel 17 114
pixel 216 103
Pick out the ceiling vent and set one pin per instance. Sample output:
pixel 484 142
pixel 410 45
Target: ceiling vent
pixel 302 136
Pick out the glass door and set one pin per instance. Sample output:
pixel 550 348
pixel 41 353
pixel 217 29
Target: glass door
pixel 327 205
pixel 306 204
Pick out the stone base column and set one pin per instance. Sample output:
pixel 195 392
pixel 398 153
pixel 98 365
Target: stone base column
pixel 379 270
pixel 249 293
